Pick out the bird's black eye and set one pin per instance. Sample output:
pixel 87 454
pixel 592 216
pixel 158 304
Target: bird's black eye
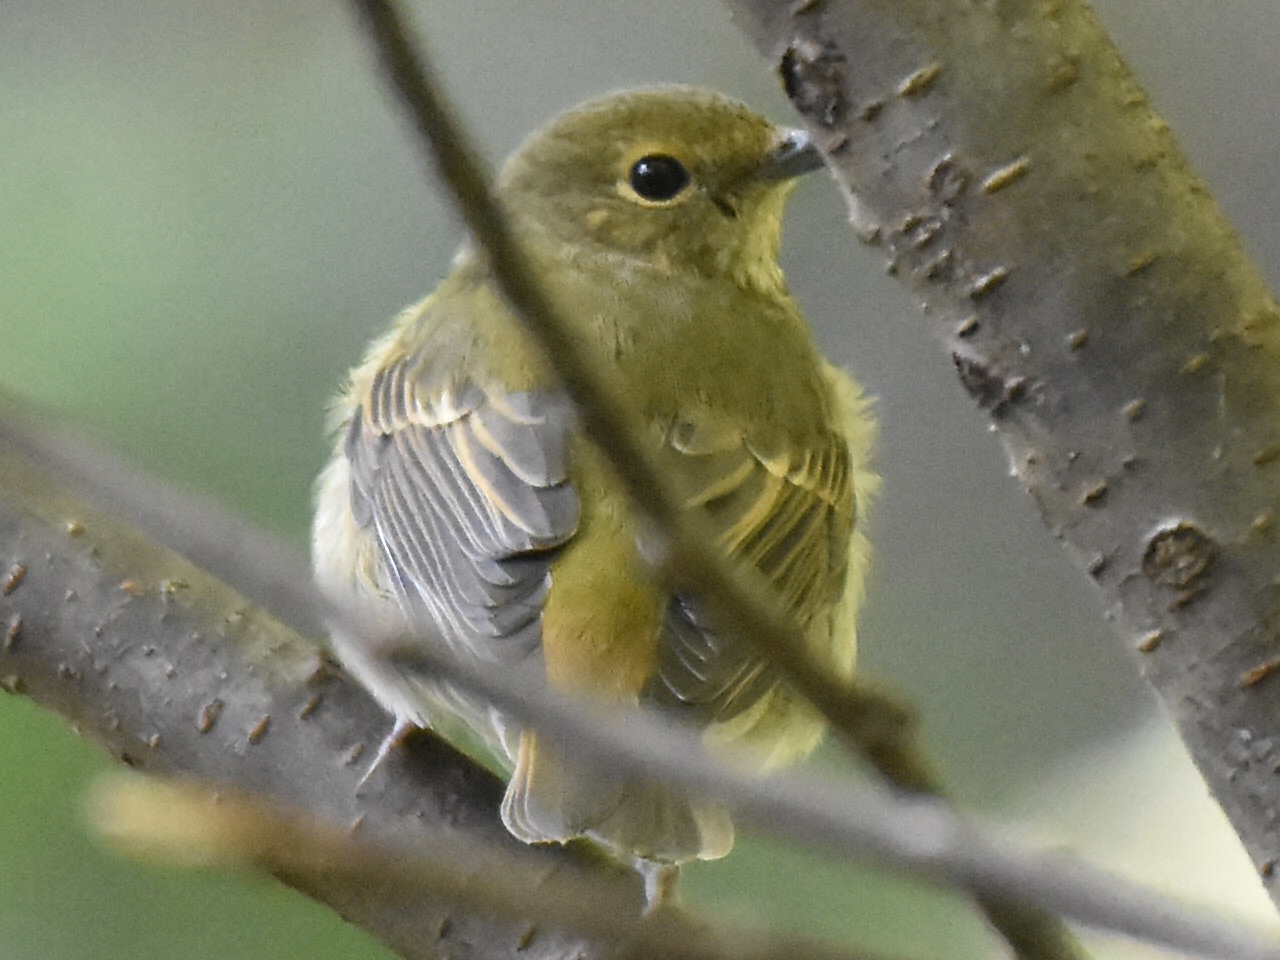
pixel 658 177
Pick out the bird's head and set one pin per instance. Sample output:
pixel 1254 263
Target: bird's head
pixel 674 178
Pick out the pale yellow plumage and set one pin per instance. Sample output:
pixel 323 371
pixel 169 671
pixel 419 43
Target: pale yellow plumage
pixel 462 495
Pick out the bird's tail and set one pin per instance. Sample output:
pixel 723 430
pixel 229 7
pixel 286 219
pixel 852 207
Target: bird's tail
pixel 551 798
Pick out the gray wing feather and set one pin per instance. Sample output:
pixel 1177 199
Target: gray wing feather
pixel 533 453
pixel 789 516
pixel 467 492
pixel 704 674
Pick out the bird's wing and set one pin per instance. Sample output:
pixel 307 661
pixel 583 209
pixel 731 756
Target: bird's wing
pixel 788 512
pixel 466 489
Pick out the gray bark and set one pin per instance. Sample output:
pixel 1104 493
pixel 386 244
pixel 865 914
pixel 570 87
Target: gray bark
pixel 1098 306
pixel 176 674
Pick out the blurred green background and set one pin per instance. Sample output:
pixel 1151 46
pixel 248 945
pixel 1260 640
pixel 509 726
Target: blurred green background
pixel 207 209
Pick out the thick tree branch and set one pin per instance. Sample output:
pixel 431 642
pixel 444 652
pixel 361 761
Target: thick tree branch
pixel 177 674
pixel 1098 306
pixel 174 673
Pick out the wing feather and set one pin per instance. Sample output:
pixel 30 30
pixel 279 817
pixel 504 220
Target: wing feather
pixel 786 511
pixel 466 489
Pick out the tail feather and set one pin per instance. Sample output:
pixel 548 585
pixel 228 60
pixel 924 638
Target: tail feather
pixel 552 799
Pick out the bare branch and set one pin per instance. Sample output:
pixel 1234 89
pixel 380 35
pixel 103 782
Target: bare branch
pixel 186 824
pixel 872 723
pixel 176 674
pixel 1097 304
pixel 183 677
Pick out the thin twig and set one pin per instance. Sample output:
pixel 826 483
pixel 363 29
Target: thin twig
pixel 920 836
pixel 188 824
pixel 916 836
pixel 875 725
pixel 878 727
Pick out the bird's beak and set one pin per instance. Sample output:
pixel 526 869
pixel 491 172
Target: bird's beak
pixel 794 156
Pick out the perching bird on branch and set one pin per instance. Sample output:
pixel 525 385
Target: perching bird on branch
pixel 462 495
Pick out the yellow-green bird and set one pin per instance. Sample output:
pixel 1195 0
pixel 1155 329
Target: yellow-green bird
pixel 463 496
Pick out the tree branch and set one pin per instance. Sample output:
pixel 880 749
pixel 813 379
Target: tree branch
pixel 176 674
pixel 1098 306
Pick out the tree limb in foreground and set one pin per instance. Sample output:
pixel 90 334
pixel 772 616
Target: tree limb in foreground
pixel 1102 311
pixel 177 674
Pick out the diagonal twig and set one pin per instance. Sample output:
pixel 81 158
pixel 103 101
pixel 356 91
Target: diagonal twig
pixel 875 725
pixel 121 707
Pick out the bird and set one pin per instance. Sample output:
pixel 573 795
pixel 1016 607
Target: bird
pixel 463 497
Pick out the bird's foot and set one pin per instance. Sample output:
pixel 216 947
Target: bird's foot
pixel 660 881
pixel 391 742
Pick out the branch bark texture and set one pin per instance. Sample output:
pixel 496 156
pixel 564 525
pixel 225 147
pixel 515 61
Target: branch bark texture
pixel 1098 306
pixel 175 673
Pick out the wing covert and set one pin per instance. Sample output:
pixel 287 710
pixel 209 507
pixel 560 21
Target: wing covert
pixel 787 512
pixel 467 492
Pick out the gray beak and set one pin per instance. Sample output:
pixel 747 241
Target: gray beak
pixel 794 156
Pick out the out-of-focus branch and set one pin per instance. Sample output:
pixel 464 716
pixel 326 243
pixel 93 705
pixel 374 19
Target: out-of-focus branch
pixel 876 726
pixel 177 674
pixel 187 824
pixel 1098 306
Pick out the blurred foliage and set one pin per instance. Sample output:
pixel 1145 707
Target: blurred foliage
pixel 207 209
